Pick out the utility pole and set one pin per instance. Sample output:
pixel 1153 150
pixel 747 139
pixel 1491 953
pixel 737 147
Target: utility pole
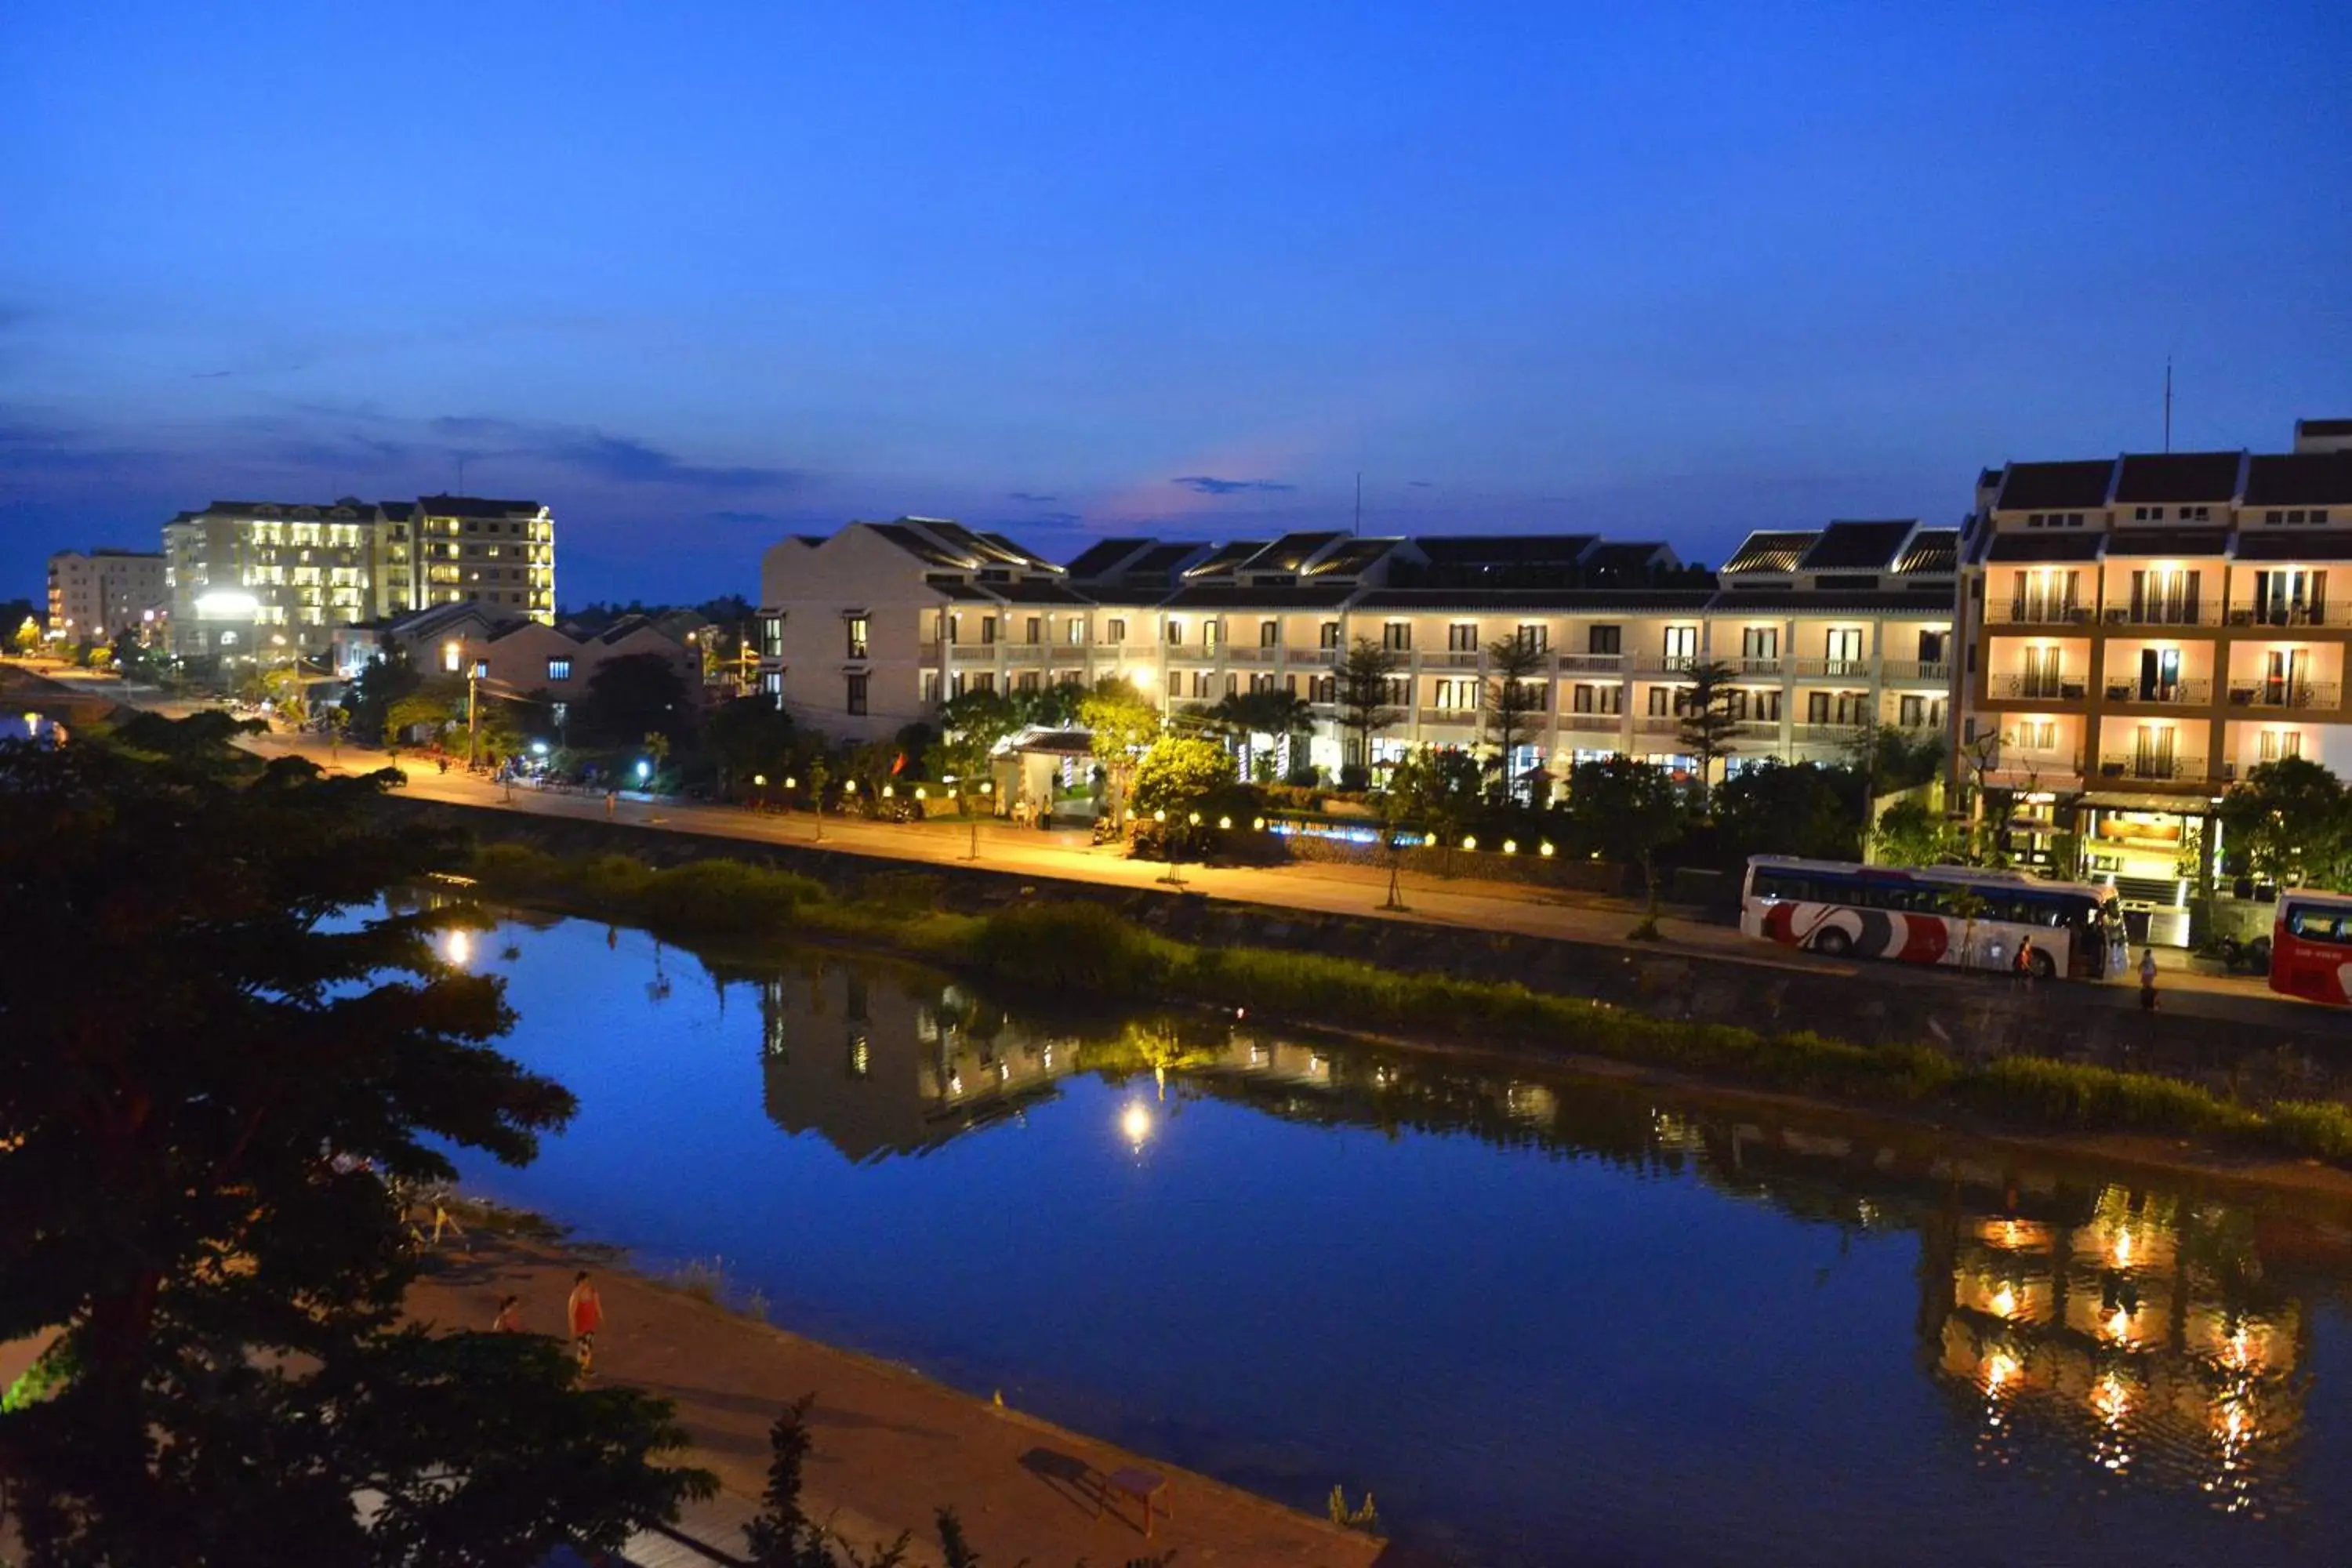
pixel 473 680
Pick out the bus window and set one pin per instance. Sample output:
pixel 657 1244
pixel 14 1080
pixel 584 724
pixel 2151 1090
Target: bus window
pixel 2316 925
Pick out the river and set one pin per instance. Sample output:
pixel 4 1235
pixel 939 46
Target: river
pixel 1542 1318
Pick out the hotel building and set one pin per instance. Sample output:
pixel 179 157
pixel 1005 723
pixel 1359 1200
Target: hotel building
pixel 2142 630
pixel 95 597
pixel 268 579
pixel 1828 632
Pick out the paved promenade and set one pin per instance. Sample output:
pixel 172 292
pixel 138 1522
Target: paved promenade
pixel 890 1446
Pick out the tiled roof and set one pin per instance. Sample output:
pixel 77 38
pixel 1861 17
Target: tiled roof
pixel 1797 601
pixel 2296 544
pixel 1771 551
pixel 1932 550
pixel 919 544
pixel 1857 546
pixel 397 510
pixel 2040 486
pixel 2149 544
pixel 1232 596
pixel 1035 592
pixel 1627 557
pixel 1500 600
pixel 1103 555
pixel 2300 478
pixel 1162 558
pixel 1291 552
pixel 1352 559
pixel 2025 549
pixel 476 506
pixel 2178 477
pixel 1222 561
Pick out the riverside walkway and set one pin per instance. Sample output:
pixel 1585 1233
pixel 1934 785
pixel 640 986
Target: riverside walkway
pixel 890 1446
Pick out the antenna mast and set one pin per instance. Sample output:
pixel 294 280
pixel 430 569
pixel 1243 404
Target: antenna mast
pixel 1357 527
pixel 2167 402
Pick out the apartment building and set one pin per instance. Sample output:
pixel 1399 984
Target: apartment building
pixel 269 579
pixel 95 597
pixel 2143 629
pixel 1830 631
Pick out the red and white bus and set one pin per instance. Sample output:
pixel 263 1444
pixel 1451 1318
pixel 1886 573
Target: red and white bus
pixel 2311 948
pixel 1956 915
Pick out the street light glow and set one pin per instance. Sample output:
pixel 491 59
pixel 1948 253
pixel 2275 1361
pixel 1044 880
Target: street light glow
pixel 1135 1122
pixel 645 769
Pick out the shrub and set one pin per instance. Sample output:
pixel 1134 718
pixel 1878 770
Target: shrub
pixel 2065 1094
pixel 517 869
pixel 722 895
pixel 1073 947
pixel 2322 1128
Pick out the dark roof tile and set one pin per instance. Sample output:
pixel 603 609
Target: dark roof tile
pixel 2037 487
pixel 1504 549
pixel 2026 549
pixel 2178 477
pixel 1102 556
pixel 2148 544
pixel 1857 546
pixel 1772 550
pixel 2300 478
pixel 2296 544
pixel 476 506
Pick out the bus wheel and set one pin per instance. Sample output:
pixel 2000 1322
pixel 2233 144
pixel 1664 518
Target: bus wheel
pixel 2044 967
pixel 1833 941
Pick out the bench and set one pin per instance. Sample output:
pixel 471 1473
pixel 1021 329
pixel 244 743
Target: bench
pixel 1147 1486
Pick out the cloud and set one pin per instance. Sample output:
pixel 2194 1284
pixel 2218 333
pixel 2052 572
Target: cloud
pixel 1030 497
pixel 1417 485
pixel 1203 484
pixel 620 459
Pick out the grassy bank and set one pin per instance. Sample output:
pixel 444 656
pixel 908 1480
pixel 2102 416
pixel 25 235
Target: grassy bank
pixel 1061 948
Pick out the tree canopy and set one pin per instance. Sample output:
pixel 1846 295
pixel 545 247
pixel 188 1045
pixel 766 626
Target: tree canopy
pixel 2292 820
pixel 1512 698
pixel 630 695
pixel 1179 772
pixel 1362 689
pixel 1122 723
pixel 219 1051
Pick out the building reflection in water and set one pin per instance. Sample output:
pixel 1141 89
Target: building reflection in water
pixel 2138 1337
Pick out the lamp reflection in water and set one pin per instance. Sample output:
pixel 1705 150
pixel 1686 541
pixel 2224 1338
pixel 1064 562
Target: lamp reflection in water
pixel 1135 1123
pixel 457 946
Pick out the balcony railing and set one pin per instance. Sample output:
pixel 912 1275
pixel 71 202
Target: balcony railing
pixel 1657 724
pixel 1769 669
pixel 2163 613
pixel 929 652
pixel 2037 687
pixel 1454 659
pixel 1314 656
pixel 1592 664
pixel 1590 723
pixel 974 652
pixel 2150 765
pixel 2283 694
pixel 1257 654
pixel 1919 671
pixel 1665 664
pixel 2038 613
pixel 1824 734
pixel 1832 669
pixel 2246 613
pixel 2177 694
pixel 1449 716
pixel 1027 652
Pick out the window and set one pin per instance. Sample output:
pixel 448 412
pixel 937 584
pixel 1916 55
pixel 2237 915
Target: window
pixel 1534 637
pixel 857 694
pixel 1077 630
pixel 1590 699
pixel 1932 645
pixel 987 631
pixel 983 680
pixel 1175 631
pixel 1396 691
pixel 1269 633
pixel 451 656
pixel 1397 636
pixel 559 670
pixel 1201 679
pixel 930 687
pixel 1264 683
pixel 1817 707
pixel 1604 639
pixel 1035 632
pixel 1175 683
pixel 481 669
pixel 1765 705
pixel 1454 695
pixel 2040 678
pixel 1462 636
pixel 855 627
pixel 2148 515
pixel 1666 701
pixel 1842 647
pixel 1115 629
pixel 1329 634
pixel 1026 681
pixel 1681 646
pixel 1760 645
pixel 1324 690
pixel 771 637
pixel 1210 630
pixel 2280 743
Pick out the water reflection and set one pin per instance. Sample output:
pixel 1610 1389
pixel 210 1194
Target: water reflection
pixel 2075 1327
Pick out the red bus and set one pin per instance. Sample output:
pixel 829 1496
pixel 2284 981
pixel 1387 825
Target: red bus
pixel 1959 915
pixel 2311 948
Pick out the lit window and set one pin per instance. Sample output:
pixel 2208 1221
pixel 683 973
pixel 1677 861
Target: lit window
pixel 559 670
pixel 856 627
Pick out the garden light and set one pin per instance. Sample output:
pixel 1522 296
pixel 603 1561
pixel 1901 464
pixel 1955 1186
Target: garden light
pixel 1226 822
pixel 1469 841
pixel 760 781
pixel 1510 845
pixel 1545 849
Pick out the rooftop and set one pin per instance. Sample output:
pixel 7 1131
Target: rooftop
pixel 1857 546
pixel 2300 479
pixel 2179 477
pixel 2038 487
pixel 1771 551
pixel 476 506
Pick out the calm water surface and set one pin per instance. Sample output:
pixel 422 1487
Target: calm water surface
pixel 1543 1320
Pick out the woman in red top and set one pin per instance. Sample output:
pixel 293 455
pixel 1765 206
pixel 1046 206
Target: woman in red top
pixel 587 1312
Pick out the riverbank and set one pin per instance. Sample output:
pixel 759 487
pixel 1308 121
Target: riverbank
pixel 891 1445
pixel 1051 948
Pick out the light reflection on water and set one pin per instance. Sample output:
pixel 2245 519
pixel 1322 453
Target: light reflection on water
pixel 1543 1319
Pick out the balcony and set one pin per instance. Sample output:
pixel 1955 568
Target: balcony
pixel 2162 613
pixel 1026 652
pixel 1667 664
pixel 974 652
pixel 2032 687
pixel 2246 613
pixel 1594 723
pixel 2151 765
pixel 1592 664
pixel 1825 734
pixel 1454 659
pixel 928 652
pixel 1767 668
pixel 2283 694
pixel 1254 655
pixel 1657 724
pixel 2038 613
pixel 1833 669
pixel 1448 716
pixel 1917 671
pixel 1323 656
pixel 2177 694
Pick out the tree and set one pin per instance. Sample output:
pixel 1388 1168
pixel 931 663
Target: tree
pixel 747 738
pixel 971 724
pixel 1779 808
pixel 1707 726
pixel 382 682
pixel 631 695
pixel 1363 693
pixel 1121 723
pixel 1511 698
pixel 1909 833
pixel 2293 822
pixel 435 705
pixel 26 639
pixel 197 1197
pixel 1282 716
pixel 1633 810
pixel 1179 771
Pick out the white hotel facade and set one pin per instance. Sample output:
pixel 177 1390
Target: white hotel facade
pixel 1828 631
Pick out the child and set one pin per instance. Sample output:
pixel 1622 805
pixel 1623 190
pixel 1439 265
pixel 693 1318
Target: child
pixel 587 1314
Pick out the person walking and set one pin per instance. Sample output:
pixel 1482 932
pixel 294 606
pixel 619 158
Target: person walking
pixel 2148 979
pixel 2024 967
pixel 587 1309
pixel 509 1318
pixel 612 800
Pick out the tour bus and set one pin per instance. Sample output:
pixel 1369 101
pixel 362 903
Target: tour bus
pixel 1937 914
pixel 2311 948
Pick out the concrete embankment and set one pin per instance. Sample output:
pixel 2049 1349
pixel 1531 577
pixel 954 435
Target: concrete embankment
pixel 2253 1044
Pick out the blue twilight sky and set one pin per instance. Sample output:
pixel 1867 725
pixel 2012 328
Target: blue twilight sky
pixel 698 275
